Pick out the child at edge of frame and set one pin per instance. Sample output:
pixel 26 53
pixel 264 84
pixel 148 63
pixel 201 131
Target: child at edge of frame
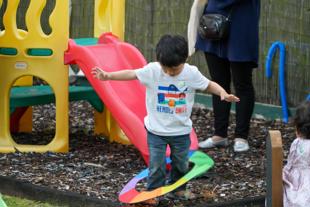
pixel 296 173
pixel 166 122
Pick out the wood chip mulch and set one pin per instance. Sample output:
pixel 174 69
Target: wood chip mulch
pixel 97 168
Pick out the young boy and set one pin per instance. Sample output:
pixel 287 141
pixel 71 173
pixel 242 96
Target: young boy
pixel 170 89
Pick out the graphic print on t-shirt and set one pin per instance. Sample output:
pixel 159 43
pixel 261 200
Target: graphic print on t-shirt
pixel 171 99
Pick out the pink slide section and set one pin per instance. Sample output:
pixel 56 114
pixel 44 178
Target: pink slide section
pixel 124 99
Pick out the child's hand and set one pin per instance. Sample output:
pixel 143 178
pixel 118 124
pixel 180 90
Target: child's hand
pixel 100 74
pixel 229 97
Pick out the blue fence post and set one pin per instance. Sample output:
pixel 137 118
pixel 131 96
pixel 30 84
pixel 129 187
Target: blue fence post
pixel 308 98
pixel 271 53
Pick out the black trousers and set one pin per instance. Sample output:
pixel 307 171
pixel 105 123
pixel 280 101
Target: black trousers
pixel 222 71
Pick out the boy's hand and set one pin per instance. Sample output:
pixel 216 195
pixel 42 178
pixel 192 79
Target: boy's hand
pixel 100 74
pixel 229 97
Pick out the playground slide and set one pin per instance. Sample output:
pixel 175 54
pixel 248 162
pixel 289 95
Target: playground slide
pixel 125 99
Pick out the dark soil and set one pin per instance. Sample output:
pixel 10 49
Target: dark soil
pixel 97 168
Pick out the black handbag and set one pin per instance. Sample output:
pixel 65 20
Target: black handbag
pixel 214 26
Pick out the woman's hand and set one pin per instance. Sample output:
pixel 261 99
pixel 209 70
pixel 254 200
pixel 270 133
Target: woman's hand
pixel 100 74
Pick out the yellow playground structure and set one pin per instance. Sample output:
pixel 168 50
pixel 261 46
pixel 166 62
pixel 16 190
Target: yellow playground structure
pixel 109 16
pixel 34 53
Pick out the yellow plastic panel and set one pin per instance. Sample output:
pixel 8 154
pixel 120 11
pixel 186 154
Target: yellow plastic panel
pixel 102 123
pixel 106 125
pixel 25 122
pixel 109 17
pixel 49 68
pixel 116 133
pixel 24 81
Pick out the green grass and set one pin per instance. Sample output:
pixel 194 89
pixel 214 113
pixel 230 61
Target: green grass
pixel 19 202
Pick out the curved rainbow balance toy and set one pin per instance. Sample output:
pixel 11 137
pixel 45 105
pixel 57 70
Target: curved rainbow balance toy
pixel 129 194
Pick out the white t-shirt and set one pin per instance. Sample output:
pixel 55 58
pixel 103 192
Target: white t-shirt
pixel 169 99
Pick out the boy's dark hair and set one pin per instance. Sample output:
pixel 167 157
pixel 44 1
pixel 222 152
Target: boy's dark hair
pixel 171 50
pixel 302 119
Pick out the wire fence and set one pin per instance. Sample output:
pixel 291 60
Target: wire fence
pixel 281 20
pixel 146 20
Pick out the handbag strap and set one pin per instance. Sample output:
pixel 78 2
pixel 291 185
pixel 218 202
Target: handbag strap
pixel 230 11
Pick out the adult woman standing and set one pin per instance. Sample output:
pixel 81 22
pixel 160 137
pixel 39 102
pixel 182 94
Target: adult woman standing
pixel 232 58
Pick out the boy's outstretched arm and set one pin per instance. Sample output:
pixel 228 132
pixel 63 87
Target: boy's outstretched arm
pixel 216 89
pixel 117 75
